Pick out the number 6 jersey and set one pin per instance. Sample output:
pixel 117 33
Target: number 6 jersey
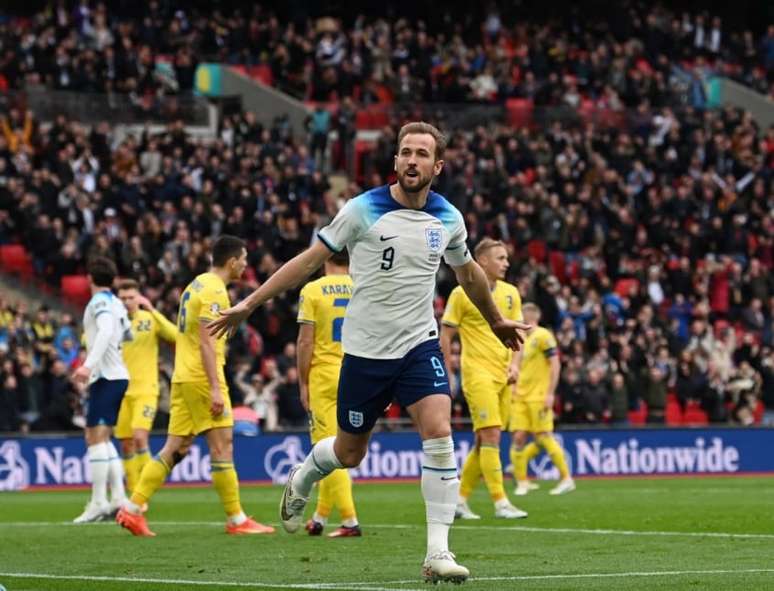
pixel 394 256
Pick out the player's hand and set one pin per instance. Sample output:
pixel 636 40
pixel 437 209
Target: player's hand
pixel 513 374
pixel 229 320
pixel 217 404
pixel 303 390
pixel 508 331
pixel 144 303
pixel 81 375
pixel 549 403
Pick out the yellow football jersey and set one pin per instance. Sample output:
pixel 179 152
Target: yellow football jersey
pixel 322 303
pixel 481 349
pixel 535 372
pixel 201 302
pixel 141 354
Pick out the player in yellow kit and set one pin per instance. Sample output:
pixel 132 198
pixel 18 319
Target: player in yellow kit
pixel 533 405
pixel 488 372
pixel 141 357
pixel 200 403
pixel 319 353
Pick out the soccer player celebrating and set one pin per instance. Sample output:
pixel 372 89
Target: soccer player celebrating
pixel 320 316
pixel 141 356
pixel 396 236
pixel 533 406
pixel 489 369
pixel 199 402
pixel 106 326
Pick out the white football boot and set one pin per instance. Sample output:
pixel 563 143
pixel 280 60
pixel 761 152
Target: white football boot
pixel 292 505
pixel 93 513
pixel 504 510
pixel 566 485
pixel 524 486
pixel 463 511
pixel 441 567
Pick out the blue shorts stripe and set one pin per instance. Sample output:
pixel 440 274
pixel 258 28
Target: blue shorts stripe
pixel 439 469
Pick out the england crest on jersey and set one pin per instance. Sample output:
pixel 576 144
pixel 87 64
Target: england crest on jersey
pixel 355 419
pixel 434 239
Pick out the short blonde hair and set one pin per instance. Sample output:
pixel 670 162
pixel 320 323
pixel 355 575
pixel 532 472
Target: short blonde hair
pixel 422 127
pixel 530 307
pixel 486 244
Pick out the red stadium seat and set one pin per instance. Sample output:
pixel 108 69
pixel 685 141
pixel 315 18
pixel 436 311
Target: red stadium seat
pixel 639 416
pixel 75 288
pixel 695 415
pixel 15 259
pixel 623 286
pixel 519 112
pixel 674 414
pixel 758 412
pixel 558 266
pixel 537 250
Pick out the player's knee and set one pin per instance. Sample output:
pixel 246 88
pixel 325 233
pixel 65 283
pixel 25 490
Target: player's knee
pixel 520 439
pixel 138 442
pixel 351 457
pixel 439 452
pixel 489 436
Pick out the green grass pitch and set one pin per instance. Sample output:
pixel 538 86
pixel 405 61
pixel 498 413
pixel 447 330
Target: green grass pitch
pixel 698 533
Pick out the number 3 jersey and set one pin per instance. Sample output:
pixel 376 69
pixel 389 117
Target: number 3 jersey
pixel 322 302
pixel 394 256
pixel 201 302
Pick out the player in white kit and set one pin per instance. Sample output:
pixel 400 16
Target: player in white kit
pixel 396 236
pixel 106 325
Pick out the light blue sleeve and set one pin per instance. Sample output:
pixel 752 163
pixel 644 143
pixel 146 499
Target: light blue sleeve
pixel 457 252
pixel 347 226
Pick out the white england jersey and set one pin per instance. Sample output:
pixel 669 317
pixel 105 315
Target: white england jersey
pixel 394 256
pixel 106 325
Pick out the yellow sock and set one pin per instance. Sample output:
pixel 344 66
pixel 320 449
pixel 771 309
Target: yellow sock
pixel 520 459
pixel 141 457
pixel 556 454
pixel 131 471
pixel 151 478
pixel 492 469
pixel 471 473
pixel 324 498
pixel 225 481
pixel 341 493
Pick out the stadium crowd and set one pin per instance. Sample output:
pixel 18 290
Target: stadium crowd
pixel 480 53
pixel 648 247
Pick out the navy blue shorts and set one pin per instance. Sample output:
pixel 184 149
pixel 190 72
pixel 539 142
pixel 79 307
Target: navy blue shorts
pixel 104 401
pixel 368 386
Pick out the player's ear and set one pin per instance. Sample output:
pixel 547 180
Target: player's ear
pixel 438 167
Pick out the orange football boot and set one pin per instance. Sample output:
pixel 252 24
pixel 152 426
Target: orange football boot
pixel 134 523
pixel 250 526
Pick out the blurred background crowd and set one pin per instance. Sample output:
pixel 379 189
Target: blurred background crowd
pixel 647 245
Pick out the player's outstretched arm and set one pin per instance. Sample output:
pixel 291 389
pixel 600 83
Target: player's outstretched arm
pixel 287 276
pixel 473 280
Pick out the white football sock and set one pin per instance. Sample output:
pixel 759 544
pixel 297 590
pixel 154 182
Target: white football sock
pixel 351 522
pixel 98 464
pixel 237 519
pixel 319 518
pixel 440 489
pixel 320 462
pixel 115 474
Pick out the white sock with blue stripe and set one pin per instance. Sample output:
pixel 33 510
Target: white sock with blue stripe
pixel 440 489
pixel 98 465
pixel 115 475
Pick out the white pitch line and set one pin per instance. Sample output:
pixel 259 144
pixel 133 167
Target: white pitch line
pixel 500 528
pixel 312 586
pixel 658 573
